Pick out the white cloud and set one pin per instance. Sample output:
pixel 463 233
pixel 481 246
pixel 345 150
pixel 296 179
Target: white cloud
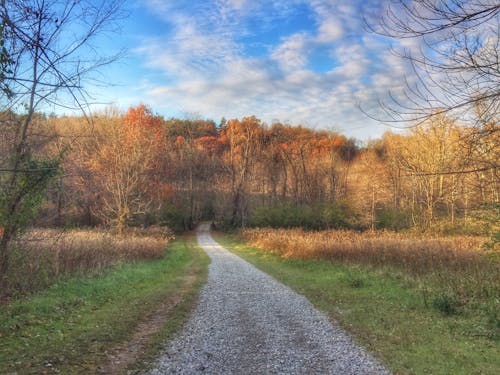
pixel 189 53
pixel 329 31
pixel 292 53
pixel 208 71
pixel 330 26
pixel 236 4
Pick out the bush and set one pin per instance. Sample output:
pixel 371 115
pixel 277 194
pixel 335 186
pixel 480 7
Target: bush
pixel 339 216
pixel 172 217
pixel 392 218
pixel 316 217
pixel 286 217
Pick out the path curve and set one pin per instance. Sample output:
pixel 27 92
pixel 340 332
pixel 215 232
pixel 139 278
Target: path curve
pixel 246 322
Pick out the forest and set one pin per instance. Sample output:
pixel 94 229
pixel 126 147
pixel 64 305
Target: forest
pixel 135 168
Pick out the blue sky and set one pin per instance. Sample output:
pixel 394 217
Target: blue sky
pixel 308 62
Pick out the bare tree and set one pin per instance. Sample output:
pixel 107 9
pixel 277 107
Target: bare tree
pixel 46 53
pixel 455 59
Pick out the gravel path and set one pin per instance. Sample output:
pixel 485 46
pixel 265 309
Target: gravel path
pixel 248 323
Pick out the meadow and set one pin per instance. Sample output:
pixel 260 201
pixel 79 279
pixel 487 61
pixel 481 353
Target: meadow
pixel 41 257
pixel 421 304
pixel 125 312
pixel 451 271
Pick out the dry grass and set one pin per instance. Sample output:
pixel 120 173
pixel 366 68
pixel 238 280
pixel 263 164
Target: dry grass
pixel 458 265
pixel 377 248
pixel 43 256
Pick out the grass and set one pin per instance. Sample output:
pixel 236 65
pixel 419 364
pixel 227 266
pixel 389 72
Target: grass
pixel 43 256
pixel 69 327
pixel 465 272
pixel 387 312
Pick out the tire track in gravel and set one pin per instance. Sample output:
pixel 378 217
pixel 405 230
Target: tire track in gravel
pixel 246 322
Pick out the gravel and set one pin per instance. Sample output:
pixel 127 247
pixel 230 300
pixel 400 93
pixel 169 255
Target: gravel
pixel 246 322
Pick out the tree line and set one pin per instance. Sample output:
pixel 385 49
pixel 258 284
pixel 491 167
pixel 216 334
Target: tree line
pixel 137 168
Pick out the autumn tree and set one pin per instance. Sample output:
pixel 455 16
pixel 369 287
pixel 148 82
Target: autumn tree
pixel 243 140
pixel 192 146
pixel 123 163
pixel 437 142
pixel 45 56
pixel 210 174
pixel 77 193
pixel 272 168
pixel 295 150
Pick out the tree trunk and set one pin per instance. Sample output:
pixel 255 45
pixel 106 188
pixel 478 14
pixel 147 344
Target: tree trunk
pixel 236 203
pixel 4 258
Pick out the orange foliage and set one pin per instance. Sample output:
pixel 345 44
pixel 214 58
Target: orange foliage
pixel 179 141
pixel 209 144
pixel 141 116
pixel 139 120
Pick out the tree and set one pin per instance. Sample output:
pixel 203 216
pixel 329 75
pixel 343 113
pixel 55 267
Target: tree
pixel 45 55
pixel 457 62
pixel 192 146
pixel 243 138
pixel 123 164
pixel 438 144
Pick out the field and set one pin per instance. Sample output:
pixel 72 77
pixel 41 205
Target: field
pixel 43 256
pixel 465 273
pixel 124 311
pixel 430 312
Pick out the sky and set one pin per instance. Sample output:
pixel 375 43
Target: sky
pixel 307 62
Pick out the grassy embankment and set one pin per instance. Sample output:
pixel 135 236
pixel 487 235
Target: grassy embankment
pixel 423 306
pixel 73 325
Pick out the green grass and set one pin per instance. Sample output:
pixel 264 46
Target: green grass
pixel 386 311
pixel 70 326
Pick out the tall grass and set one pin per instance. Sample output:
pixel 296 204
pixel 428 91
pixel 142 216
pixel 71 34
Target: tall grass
pixel 413 253
pixel 453 269
pixel 43 256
